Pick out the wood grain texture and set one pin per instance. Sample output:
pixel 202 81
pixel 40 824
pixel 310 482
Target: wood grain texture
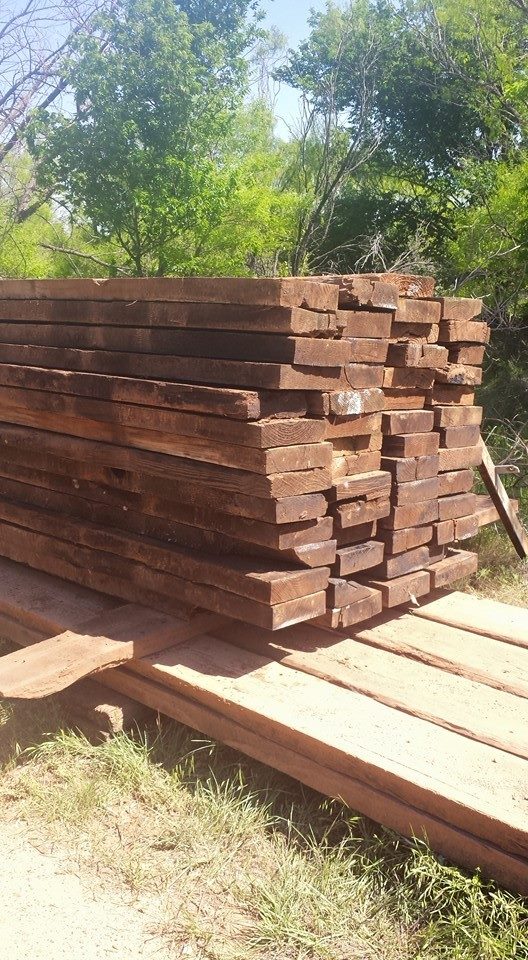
pixel 107 640
pixel 289 292
pixel 217 401
pixel 151 314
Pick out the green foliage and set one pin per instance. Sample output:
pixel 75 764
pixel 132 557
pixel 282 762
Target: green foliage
pixel 142 157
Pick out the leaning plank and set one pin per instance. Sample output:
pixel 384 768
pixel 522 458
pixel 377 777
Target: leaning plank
pixel 464 706
pixel 418 762
pixel 217 401
pixel 489 618
pixel 308 767
pixel 288 292
pixel 105 641
pixel 154 314
pixel 231 373
pixel 499 495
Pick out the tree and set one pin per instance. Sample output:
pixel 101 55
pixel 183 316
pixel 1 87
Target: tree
pixel 447 102
pixel 336 73
pixel 142 158
pixel 36 37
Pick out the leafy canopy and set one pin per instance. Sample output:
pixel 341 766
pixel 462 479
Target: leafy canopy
pixel 142 156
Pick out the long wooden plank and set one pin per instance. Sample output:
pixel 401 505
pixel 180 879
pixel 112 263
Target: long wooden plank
pixel 231 373
pixel 191 503
pixel 464 706
pixel 419 762
pixel 245 576
pixel 105 641
pixel 476 657
pixel 217 401
pixel 457 845
pixel 55 606
pixel 225 344
pixel 260 434
pixel 283 292
pixel 265 461
pixel 133 580
pixel 171 468
pixel 170 521
pixel 197 316
pixel 489 618
pixel 499 495
pixel 48 605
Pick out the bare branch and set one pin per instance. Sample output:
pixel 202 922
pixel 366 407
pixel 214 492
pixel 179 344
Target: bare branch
pixel 68 251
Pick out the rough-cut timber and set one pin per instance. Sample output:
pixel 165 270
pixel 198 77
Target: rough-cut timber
pixel 318 706
pixel 289 292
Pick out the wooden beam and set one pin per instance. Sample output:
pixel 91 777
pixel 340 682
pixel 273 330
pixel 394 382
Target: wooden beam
pixel 107 640
pixel 499 495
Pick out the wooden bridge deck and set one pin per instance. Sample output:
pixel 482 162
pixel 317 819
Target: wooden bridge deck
pixel 418 719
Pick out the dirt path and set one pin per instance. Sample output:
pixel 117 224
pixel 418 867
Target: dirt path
pixel 48 912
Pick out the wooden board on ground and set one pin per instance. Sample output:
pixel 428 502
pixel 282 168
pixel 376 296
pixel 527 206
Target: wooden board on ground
pixel 424 779
pixel 105 641
pixel 488 618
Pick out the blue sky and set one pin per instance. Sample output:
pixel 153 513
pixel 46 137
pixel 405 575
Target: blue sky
pixel 291 17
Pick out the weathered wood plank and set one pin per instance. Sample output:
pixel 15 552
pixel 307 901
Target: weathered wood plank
pixel 218 401
pixel 171 468
pixel 231 373
pixel 154 315
pixel 107 640
pixel 481 615
pixel 261 434
pixel 420 762
pixel 288 292
pixel 266 461
pixel 217 344
pixel 139 493
pixel 464 706
pixel 499 495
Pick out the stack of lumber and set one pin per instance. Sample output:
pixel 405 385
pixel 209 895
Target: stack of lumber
pixel 360 493
pixel 431 503
pixel 457 420
pixel 156 439
pixel 270 450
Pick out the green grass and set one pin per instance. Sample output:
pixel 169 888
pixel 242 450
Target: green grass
pixel 244 862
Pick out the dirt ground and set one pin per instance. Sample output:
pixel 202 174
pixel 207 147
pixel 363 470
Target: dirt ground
pixel 50 911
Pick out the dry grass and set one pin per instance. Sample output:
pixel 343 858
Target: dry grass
pixel 237 861
pixel 501 575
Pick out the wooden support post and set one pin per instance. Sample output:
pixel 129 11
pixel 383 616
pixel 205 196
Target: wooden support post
pixel 499 495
